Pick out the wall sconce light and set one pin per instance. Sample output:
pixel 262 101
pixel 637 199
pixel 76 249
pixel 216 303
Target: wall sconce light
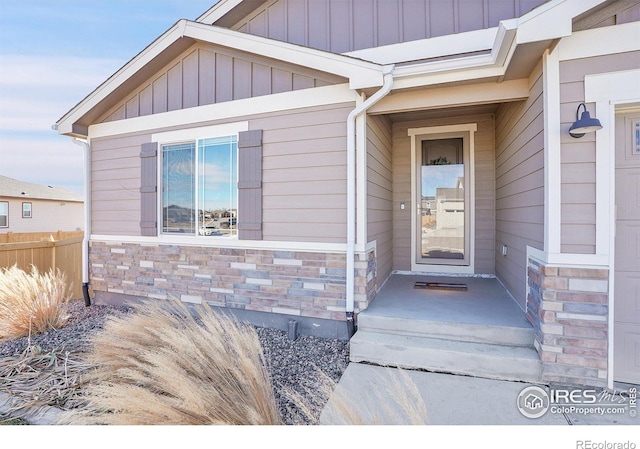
pixel 586 124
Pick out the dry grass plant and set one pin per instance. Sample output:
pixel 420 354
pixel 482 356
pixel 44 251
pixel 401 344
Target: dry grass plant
pixel 31 302
pixel 160 365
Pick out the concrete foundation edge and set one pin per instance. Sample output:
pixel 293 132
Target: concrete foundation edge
pixel 315 327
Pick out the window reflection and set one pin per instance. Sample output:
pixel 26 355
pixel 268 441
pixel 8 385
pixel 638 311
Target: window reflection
pixel 443 206
pixel 205 204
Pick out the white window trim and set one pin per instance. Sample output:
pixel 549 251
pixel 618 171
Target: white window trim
pixel 466 131
pixel 7 215
pixel 30 209
pixel 189 135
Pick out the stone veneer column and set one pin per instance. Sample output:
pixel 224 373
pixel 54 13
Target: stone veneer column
pixel 568 308
pixel 366 280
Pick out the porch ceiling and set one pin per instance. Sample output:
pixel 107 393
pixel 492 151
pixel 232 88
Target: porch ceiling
pixel 443 112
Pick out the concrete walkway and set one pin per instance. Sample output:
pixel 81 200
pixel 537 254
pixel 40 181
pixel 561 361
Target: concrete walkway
pixel 449 399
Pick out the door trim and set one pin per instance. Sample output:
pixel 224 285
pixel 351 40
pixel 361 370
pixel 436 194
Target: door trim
pixel 610 92
pixel 466 132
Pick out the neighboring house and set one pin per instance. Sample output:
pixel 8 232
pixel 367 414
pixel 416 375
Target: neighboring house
pixel 27 207
pixel 320 112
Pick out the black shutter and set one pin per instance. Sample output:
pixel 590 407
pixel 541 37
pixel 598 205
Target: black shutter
pixel 149 189
pixel 250 185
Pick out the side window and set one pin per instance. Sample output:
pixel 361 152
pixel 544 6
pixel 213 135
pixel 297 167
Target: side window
pixel 26 210
pixel 4 214
pixel 199 187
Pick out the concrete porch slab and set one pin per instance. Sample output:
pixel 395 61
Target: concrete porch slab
pixel 485 302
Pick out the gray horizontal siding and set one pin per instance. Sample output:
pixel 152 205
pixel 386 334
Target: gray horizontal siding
pixel 578 156
pixel 304 176
pixel 304 179
pixel 206 74
pixel 484 145
pixel 115 185
pixel 380 193
pixel 519 185
pixel 341 26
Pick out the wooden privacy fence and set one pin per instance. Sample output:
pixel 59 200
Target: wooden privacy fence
pixel 64 253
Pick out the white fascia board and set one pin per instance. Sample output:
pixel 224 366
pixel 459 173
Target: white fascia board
pixel 435 47
pixel 551 20
pixel 601 41
pixel 65 124
pixel 461 69
pixel 472 94
pixel 217 11
pixel 361 74
pixel 236 109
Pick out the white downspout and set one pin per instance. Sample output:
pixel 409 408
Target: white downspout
pixel 351 189
pixel 87 217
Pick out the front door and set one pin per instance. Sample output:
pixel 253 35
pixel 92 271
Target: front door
pixel 442 202
pixel 443 199
pixel 627 260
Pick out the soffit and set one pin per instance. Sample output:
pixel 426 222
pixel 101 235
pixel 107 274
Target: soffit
pixel 443 113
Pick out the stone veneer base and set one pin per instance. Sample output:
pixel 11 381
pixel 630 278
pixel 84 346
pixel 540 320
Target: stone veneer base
pixel 307 286
pixel 568 308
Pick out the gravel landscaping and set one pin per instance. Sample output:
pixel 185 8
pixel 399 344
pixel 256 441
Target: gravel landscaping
pixel 292 365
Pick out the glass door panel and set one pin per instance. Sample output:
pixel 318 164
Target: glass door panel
pixel 442 208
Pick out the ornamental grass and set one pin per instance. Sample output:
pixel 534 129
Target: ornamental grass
pixel 164 365
pixel 31 303
pixel 168 364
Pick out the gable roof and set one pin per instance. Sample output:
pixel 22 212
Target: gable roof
pixel 464 56
pixel 184 33
pixel 13 188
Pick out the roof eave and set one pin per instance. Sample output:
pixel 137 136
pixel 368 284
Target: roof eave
pixel 550 21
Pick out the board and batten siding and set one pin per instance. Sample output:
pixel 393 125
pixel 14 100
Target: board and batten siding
pixel 207 74
pixel 578 156
pixel 303 184
pixel 341 26
pixel 613 13
pixel 519 185
pixel 380 193
pixel 484 145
